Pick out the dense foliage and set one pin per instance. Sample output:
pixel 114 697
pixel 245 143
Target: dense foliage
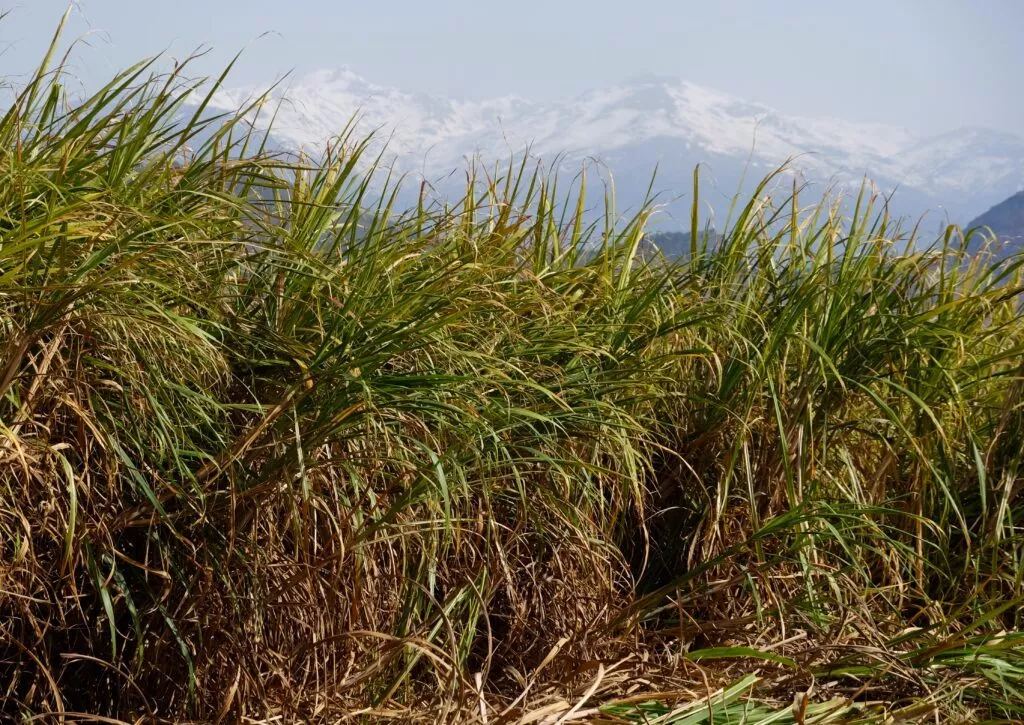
pixel 270 447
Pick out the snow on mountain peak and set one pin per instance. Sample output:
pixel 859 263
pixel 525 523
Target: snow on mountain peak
pixel 657 119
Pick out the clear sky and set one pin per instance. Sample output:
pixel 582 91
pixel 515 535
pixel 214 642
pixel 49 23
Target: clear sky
pixel 930 65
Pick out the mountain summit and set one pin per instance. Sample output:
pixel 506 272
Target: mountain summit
pixel 657 121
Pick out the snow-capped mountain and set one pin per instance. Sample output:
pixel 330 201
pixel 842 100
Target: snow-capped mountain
pixel 648 121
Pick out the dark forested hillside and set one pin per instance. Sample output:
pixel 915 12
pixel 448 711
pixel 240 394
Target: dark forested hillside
pixel 1006 222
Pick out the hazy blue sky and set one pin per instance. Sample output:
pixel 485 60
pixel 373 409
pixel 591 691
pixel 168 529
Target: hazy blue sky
pixel 930 65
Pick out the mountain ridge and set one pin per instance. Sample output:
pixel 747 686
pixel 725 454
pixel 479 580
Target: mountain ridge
pixel 654 120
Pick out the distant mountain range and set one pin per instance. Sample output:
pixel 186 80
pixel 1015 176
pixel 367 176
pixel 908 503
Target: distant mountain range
pixel 1006 221
pixel 655 121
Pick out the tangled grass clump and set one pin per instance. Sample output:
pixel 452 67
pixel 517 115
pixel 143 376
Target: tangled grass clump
pixel 273 449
